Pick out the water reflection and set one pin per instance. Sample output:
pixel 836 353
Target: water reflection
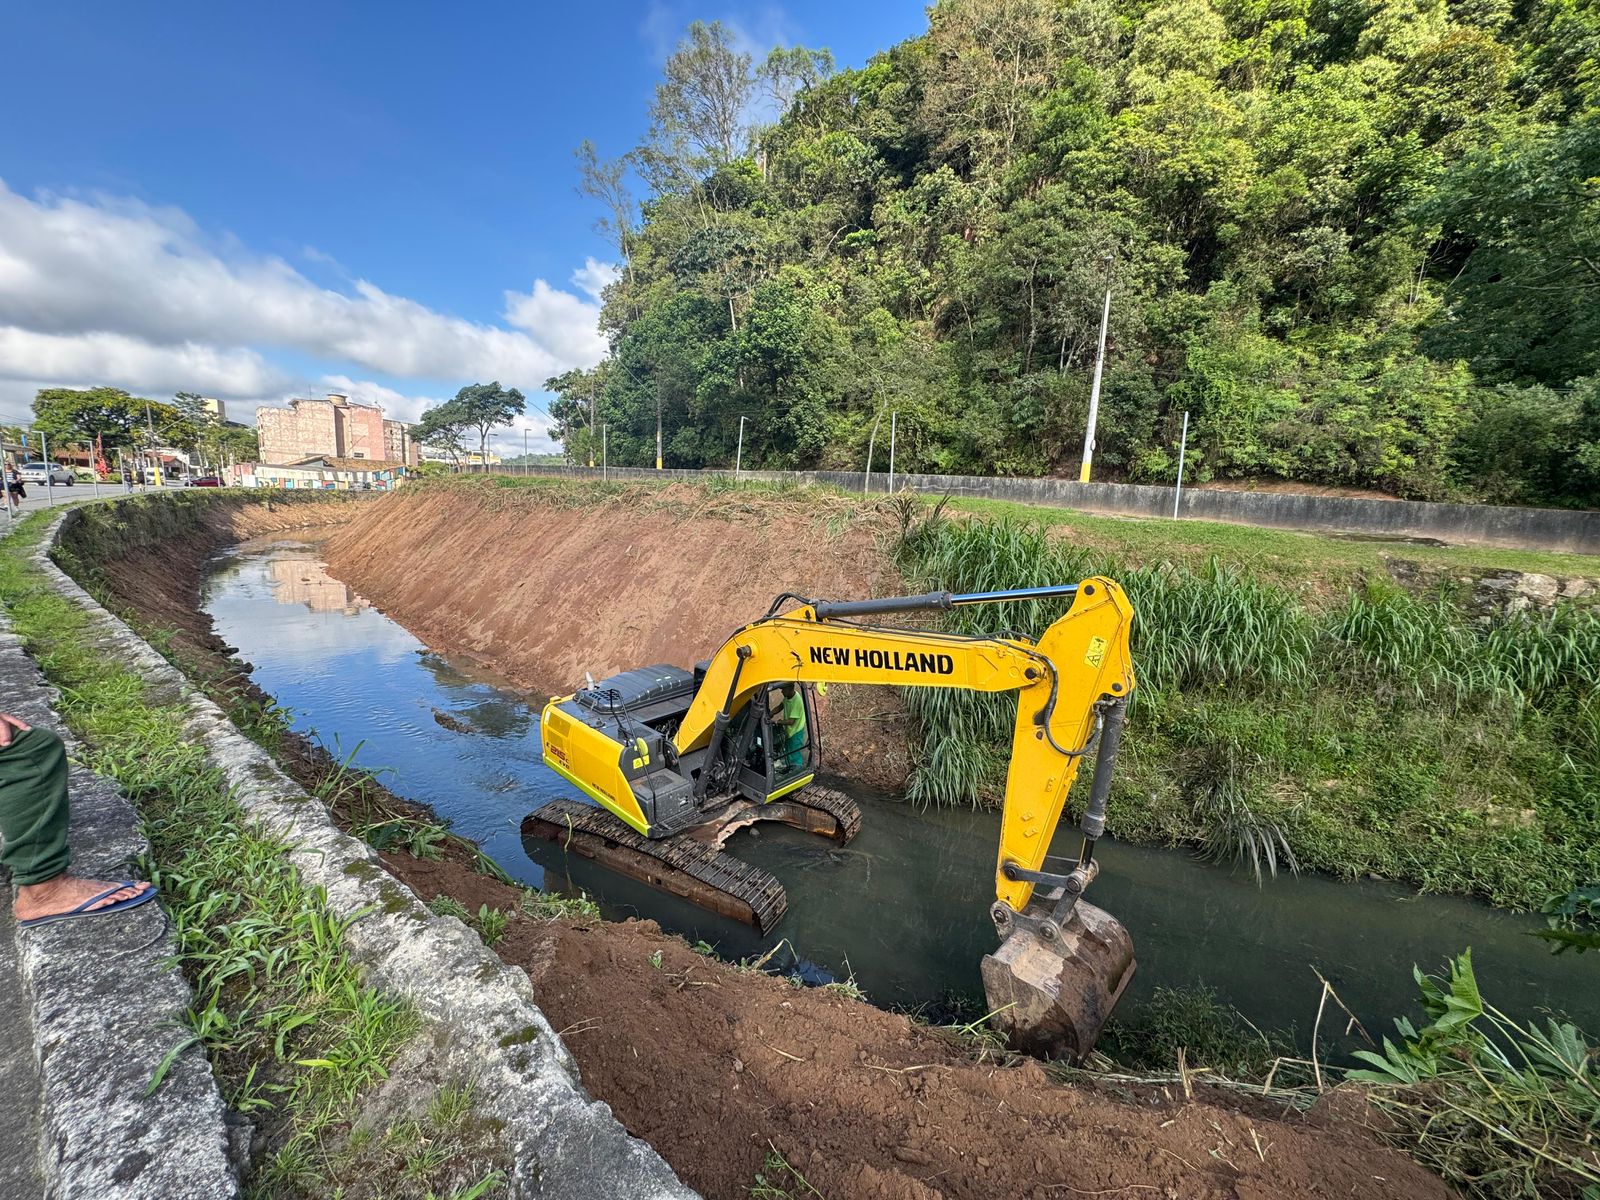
pixel 306 581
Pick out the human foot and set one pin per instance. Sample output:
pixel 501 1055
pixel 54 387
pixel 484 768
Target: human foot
pixel 66 893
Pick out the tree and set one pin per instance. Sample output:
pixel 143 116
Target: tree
pixel 605 180
pixel 442 427
pixel 575 409
pixel 76 417
pixel 792 70
pixel 699 118
pixel 482 407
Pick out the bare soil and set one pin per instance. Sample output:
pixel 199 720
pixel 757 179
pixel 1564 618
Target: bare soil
pixel 717 1066
pixel 541 591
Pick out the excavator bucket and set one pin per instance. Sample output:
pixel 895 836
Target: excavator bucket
pixel 1051 997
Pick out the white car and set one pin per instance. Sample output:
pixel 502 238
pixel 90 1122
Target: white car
pixel 36 472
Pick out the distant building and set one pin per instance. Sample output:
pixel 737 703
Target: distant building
pixel 324 472
pixel 466 458
pixel 215 407
pixel 335 428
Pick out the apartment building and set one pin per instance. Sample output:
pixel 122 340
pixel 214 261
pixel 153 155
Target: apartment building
pixel 336 427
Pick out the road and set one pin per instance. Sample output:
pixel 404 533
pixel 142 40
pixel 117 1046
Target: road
pixel 39 497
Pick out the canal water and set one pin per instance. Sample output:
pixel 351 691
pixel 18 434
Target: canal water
pixel 904 908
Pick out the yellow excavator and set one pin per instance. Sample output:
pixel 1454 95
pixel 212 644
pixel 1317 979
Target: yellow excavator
pixel 677 760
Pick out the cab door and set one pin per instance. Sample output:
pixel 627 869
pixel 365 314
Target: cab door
pixel 777 750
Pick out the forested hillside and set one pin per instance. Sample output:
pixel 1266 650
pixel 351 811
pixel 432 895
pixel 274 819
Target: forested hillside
pixel 1359 242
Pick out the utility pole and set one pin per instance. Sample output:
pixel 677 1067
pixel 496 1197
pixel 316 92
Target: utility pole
pixel 866 480
pixel 151 426
pixel 893 416
pixel 49 471
pixel 738 456
pixel 1183 446
pixel 604 465
pixel 1094 391
pixel 658 422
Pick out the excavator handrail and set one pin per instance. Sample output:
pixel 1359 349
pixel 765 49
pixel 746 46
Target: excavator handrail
pixel 829 609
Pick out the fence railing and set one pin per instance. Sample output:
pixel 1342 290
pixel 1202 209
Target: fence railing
pixel 1560 530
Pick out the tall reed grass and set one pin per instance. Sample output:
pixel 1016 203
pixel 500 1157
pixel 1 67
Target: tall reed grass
pixel 1381 714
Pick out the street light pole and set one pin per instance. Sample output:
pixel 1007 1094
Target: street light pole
pixel 738 455
pixel 1094 390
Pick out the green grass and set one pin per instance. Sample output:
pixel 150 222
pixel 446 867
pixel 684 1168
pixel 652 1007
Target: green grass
pixel 1287 556
pixel 294 1035
pixel 1212 1036
pixel 1380 733
pixel 548 906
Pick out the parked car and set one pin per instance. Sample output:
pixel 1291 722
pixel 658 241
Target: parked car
pixel 204 481
pixel 42 472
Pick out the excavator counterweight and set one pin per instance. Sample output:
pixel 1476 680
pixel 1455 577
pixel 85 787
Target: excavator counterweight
pixel 679 759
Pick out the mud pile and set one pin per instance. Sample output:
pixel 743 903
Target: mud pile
pixel 544 584
pixel 716 1067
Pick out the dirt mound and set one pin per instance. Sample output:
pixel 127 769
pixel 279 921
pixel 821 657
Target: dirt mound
pixel 541 589
pixel 715 1066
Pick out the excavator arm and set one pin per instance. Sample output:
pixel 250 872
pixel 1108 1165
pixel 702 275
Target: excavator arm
pixel 1072 685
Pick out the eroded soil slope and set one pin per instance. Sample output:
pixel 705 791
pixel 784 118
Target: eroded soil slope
pixel 542 589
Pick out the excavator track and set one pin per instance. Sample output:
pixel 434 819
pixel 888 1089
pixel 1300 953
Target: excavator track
pixel 836 805
pixel 681 865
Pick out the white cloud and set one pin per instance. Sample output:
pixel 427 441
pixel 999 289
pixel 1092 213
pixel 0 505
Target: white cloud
pixel 116 291
pixel 116 360
pixel 595 276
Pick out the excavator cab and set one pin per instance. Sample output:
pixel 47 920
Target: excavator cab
pixel 774 743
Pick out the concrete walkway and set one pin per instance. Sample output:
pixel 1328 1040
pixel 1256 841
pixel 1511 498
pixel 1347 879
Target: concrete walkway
pixel 20 1097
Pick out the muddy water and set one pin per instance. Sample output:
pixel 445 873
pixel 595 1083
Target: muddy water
pixel 904 907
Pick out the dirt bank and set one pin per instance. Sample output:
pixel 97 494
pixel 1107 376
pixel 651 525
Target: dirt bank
pixel 541 589
pixel 716 1066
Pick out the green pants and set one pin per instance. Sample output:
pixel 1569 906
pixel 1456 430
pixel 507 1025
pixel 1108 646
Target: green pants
pixel 33 807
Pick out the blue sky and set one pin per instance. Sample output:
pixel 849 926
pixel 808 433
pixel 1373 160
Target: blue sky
pixel 255 201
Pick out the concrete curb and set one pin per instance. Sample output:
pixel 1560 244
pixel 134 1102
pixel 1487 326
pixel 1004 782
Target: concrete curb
pixel 104 1007
pixel 484 1024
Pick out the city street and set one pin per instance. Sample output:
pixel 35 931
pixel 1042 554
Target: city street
pixel 39 497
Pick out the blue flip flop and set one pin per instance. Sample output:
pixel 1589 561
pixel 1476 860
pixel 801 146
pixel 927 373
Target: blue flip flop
pixel 84 909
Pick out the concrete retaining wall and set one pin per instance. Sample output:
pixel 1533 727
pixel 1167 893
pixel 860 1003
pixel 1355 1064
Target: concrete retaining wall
pixel 482 1025
pixel 101 1010
pixel 1561 530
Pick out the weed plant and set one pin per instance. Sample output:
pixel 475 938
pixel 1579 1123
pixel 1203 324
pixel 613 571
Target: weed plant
pixel 1383 733
pixel 1497 1108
